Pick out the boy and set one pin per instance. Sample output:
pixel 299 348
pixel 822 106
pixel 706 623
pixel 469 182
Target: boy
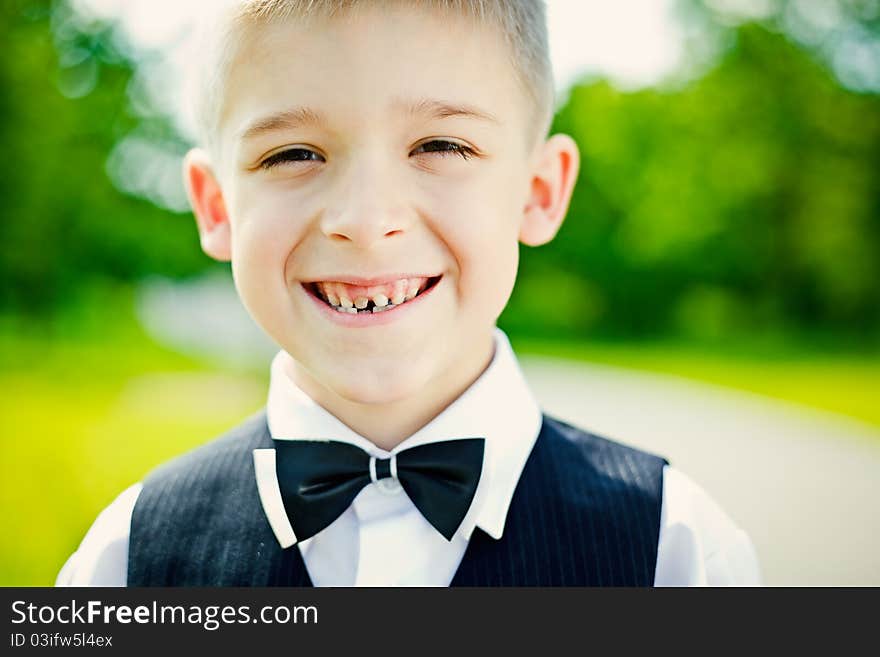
pixel 369 169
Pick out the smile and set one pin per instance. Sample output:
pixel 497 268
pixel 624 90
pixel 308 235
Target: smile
pixel 343 299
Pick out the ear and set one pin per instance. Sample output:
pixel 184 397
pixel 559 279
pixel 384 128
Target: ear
pixel 208 206
pixel 552 183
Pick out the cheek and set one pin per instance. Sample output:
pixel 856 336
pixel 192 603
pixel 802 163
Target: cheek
pixel 264 232
pixel 481 231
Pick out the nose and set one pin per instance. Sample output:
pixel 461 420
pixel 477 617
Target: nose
pixel 367 208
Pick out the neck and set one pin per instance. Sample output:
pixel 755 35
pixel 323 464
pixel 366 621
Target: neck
pixel 386 425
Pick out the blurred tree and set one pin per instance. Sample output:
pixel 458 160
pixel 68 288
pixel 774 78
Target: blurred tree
pixel 745 201
pixel 840 34
pixel 63 225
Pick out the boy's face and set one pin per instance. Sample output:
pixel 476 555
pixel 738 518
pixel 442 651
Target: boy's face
pixel 383 145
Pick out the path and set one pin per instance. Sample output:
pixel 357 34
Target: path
pixel 804 484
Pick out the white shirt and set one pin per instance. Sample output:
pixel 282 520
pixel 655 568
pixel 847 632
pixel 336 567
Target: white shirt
pixel 383 540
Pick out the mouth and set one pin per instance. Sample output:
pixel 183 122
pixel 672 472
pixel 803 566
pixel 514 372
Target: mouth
pixel 346 298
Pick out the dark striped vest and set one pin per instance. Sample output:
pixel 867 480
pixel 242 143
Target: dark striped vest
pixel 586 512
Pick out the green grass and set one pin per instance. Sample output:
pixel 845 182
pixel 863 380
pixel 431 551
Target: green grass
pixel 85 411
pixel 81 419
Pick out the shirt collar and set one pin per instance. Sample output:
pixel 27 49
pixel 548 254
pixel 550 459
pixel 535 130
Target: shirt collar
pixel 498 406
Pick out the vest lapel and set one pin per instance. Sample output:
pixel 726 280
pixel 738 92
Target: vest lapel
pixel 502 562
pixel 291 569
pixel 586 512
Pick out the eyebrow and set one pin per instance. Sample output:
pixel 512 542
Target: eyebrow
pixel 285 120
pixel 438 109
pixel 303 116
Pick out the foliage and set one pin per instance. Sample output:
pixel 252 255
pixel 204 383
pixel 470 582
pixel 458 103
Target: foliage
pixel 747 201
pixel 63 225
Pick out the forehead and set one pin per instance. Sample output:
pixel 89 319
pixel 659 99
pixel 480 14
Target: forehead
pixel 370 66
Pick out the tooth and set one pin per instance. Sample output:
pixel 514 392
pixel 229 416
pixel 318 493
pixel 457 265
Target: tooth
pixel 381 309
pixel 331 297
pixel 380 300
pixel 413 288
pixel 340 309
pixel 399 293
pixel 345 301
pixel 361 303
pixel 350 310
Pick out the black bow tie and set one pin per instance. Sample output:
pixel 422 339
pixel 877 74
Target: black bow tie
pixel 320 479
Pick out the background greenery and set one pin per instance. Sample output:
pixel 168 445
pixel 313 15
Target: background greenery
pixel 726 227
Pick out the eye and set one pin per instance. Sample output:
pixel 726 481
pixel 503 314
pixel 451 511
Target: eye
pixel 290 155
pixel 443 148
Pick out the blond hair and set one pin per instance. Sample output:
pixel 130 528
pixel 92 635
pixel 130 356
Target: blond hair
pixel 522 24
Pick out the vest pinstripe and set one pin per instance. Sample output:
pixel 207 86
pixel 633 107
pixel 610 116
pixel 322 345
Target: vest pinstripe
pixel 586 512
